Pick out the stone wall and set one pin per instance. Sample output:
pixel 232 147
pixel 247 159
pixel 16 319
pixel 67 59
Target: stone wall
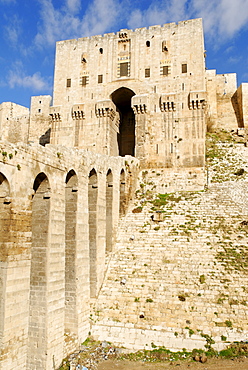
pixel 47 263
pixel 179 271
pixel 14 122
pixel 40 120
pixel 240 100
pixel 220 90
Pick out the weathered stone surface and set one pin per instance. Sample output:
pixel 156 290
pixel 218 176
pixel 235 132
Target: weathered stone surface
pixel 125 102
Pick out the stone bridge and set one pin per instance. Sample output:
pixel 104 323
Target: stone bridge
pixel 59 210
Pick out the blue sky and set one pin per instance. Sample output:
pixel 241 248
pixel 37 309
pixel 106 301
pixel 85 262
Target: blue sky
pixel 30 28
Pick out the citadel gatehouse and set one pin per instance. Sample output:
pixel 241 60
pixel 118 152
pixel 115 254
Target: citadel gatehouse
pixel 122 103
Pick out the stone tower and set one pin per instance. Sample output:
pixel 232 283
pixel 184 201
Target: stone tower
pixel 138 93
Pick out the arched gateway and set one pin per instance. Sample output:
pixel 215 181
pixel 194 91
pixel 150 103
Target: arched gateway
pixel 126 137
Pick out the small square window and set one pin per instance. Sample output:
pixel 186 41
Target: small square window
pixel 184 68
pixel 165 71
pixel 100 79
pixel 147 72
pixel 124 69
pixel 84 81
pixel 68 82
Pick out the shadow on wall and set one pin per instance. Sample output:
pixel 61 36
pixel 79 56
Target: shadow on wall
pixel 45 138
pixel 237 109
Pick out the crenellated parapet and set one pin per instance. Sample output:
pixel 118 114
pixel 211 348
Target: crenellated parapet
pixel 168 102
pixel 55 113
pixel 77 111
pixel 106 108
pixel 140 104
pixel 197 100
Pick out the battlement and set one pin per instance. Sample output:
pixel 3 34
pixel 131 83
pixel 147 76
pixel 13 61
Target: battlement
pixel 156 28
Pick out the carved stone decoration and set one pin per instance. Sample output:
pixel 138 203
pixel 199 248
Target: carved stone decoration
pixel 105 108
pixel 197 100
pixel 78 111
pixel 55 113
pixel 168 102
pixel 140 104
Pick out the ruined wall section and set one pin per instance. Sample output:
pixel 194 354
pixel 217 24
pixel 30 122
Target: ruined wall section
pixel 222 113
pixel 14 122
pixel 40 120
pixel 240 102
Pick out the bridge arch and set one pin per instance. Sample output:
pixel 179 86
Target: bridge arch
pixel 109 210
pixel 38 305
pixel 71 201
pixel 93 206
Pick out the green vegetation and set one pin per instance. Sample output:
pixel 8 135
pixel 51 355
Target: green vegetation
pixel 149 300
pixel 202 279
pixel 94 349
pixel 137 210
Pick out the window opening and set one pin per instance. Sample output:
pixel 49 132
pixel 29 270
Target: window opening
pixel 68 82
pixel 101 50
pixel 84 80
pixel 147 72
pixel 184 68
pixel 148 44
pixel 164 47
pixel 123 69
pixel 165 70
pixel 100 79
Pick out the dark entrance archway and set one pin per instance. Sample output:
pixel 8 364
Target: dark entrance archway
pixel 126 137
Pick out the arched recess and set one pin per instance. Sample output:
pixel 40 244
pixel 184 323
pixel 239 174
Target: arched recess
pixel 109 210
pixel 38 273
pixel 122 193
pixel 71 199
pixel 92 201
pixel 5 215
pixel 126 137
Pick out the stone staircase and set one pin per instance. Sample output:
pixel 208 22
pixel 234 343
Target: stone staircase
pixel 173 280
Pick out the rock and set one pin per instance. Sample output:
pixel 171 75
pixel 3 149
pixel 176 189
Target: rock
pixel 203 358
pixel 197 358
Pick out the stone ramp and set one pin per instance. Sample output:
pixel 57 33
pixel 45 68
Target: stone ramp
pixel 179 278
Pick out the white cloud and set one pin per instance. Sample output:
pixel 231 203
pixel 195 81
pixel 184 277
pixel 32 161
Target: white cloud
pixel 18 77
pixel 222 18
pixel 73 5
pixel 13 30
pixel 65 22
pixel 158 13
pixel 101 15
